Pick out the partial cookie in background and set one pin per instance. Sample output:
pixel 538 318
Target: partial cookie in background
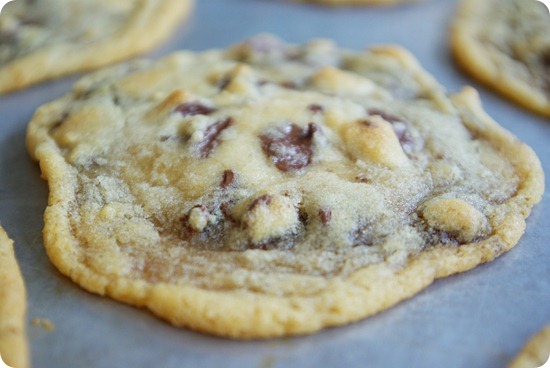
pixel 272 189
pixel 44 39
pixel 506 45
pixel 13 307
pixel 536 352
pixel 359 2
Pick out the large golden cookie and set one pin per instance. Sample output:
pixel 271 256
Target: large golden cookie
pixel 506 45
pixel 44 39
pixel 13 307
pixel 272 189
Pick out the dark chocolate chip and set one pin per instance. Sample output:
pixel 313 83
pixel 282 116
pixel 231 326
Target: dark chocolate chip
pixel 212 136
pixel 385 115
pixel 315 108
pixel 400 128
pixel 363 179
pixel 326 216
pixel 59 121
pixel 194 108
pixel 262 200
pixel 289 85
pixel 8 37
pixel 224 82
pixel 227 180
pixel 368 123
pixel 290 148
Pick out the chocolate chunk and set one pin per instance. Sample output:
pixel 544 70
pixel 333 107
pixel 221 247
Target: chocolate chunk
pixel 290 148
pixel 227 180
pixel 212 136
pixel 8 37
pixel 326 216
pixel 315 108
pixel 194 108
pixel 404 136
pixel 390 118
pixel 363 179
pixel 368 123
pixel 400 128
pixel 224 82
pixel 264 199
pixel 545 59
pixel 31 21
pixel 289 85
pixel 224 208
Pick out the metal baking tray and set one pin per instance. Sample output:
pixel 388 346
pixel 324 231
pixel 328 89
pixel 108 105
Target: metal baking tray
pixel 477 319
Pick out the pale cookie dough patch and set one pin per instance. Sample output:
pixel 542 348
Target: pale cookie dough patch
pixel 13 307
pixel 506 45
pixel 272 189
pixel 44 39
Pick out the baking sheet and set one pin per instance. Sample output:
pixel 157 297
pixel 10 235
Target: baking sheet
pixel 477 319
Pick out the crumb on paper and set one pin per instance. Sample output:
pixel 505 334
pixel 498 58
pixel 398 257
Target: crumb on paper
pixel 44 323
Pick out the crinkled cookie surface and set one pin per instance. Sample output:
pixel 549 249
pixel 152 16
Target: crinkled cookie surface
pixel 506 45
pixel 43 39
pixel 272 189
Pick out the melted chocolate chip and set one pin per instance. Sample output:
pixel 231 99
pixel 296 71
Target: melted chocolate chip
pixel 212 136
pixel 227 180
pixel 31 21
pixel 8 37
pixel 194 108
pixel 368 123
pixel 363 179
pixel 384 115
pixel 226 211
pixel 59 121
pixel 223 83
pixel 399 127
pixel 290 148
pixel 326 216
pixel 363 237
pixel 404 136
pixel 289 85
pixel 545 59
pixel 262 200
pixel 315 108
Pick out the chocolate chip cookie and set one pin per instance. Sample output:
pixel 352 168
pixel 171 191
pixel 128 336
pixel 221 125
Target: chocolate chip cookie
pixel 273 189
pixel 41 39
pixel 536 352
pixel 13 305
pixel 506 45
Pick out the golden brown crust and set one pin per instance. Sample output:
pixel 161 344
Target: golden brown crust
pixel 13 343
pixel 151 24
pixel 536 352
pixel 242 313
pixel 478 60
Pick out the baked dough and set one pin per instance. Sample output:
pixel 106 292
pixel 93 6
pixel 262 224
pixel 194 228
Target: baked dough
pixel 506 45
pixel 536 352
pixel 13 306
pixel 272 189
pixel 44 39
